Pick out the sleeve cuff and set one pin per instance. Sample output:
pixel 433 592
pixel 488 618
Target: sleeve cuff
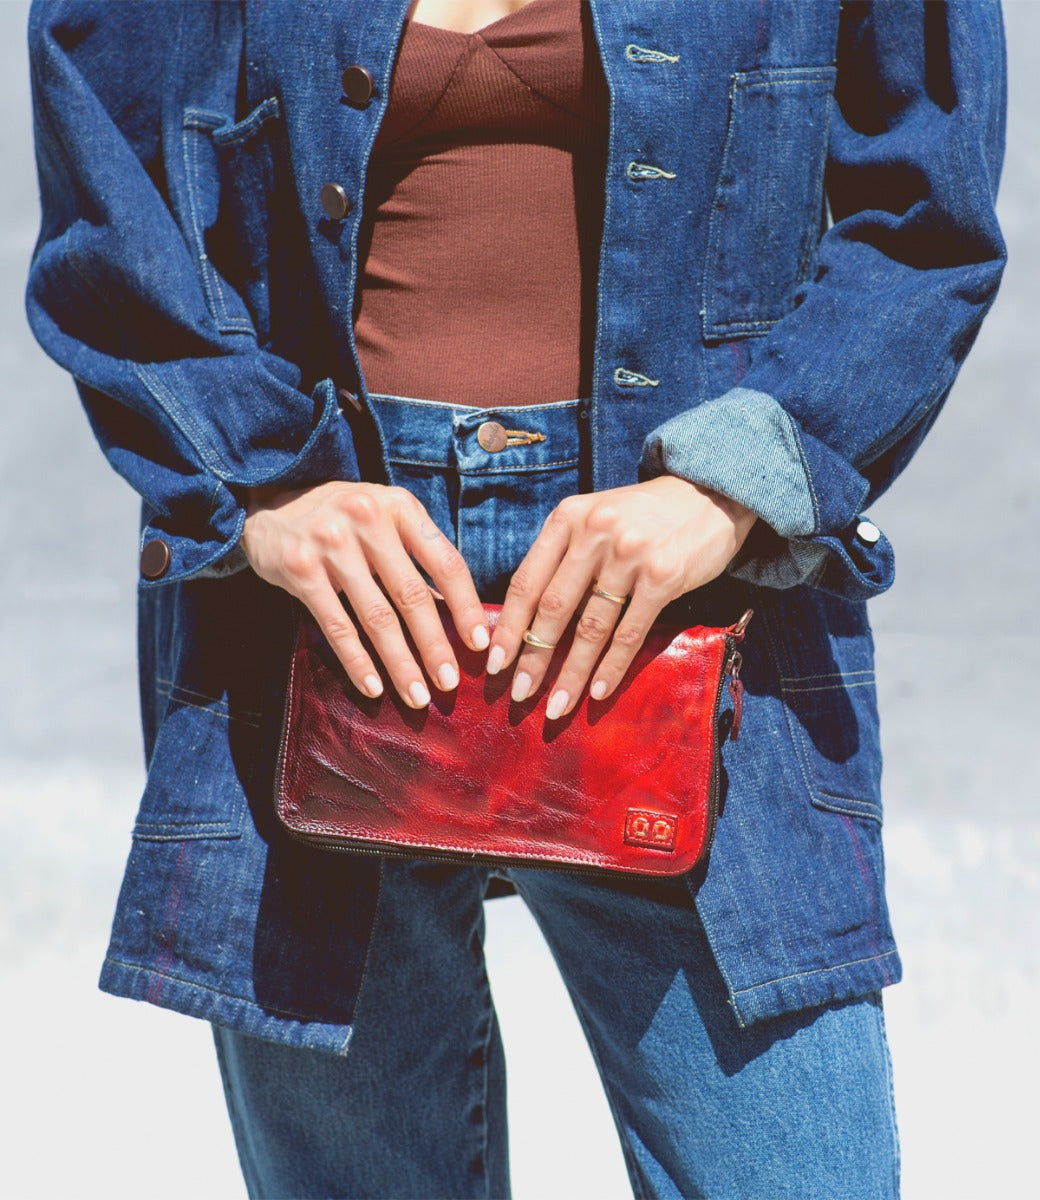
pixel 746 446
pixel 196 536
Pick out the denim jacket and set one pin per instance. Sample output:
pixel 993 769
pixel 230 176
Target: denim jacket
pixel 799 245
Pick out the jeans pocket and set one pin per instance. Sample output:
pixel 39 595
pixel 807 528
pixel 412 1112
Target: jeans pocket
pixel 768 210
pixel 184 798
pixel 824 652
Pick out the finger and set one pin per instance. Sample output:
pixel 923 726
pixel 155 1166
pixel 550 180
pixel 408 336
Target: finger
pixel 564 595
pixel 411 597
pixel 376 615
pixel 527 587
pixel 592 635
pixel 449 572
pixel 629 634
pixel 342 635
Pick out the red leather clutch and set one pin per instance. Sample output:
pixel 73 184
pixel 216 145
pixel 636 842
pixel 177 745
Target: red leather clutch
pixel 629 783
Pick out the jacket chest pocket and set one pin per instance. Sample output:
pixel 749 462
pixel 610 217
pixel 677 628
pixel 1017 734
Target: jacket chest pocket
pixel 236 191
pixel 767 212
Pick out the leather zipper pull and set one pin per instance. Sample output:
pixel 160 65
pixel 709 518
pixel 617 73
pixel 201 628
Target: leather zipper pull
pixel 736 690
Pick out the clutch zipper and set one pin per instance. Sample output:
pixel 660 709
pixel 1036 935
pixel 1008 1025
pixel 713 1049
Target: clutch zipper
pixel 731 667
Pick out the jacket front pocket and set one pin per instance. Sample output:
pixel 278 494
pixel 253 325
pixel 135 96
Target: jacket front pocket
pixel 185 798
pixel 825 654
pixel 768 208
pixel 234 188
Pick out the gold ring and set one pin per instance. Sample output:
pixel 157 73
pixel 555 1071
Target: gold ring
pixel 599 591
pixel 532 639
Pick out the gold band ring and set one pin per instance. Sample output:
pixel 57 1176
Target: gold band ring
pixel 532 639
pixel 599 591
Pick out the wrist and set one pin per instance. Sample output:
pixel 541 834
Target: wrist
pixel 742 517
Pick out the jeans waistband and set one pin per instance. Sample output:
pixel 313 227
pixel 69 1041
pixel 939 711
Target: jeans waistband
pixel 506 438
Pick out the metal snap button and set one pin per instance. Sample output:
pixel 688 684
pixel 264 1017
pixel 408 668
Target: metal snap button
pixel 155 559
pixel 491 437
pixel 868 532
pixel 358 84
pixel 335 201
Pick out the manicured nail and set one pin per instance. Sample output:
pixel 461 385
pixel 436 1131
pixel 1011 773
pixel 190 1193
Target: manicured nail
pixel 521 686
pixel 558 701
pixel 420 696
pixel 373 685
pixel 598 689
pixel 480 637
pixel 447 677
pixel 495 661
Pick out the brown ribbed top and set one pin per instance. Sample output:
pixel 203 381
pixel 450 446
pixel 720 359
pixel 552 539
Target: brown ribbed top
pixel 483 212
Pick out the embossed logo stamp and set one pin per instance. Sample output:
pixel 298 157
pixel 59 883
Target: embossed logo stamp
pixel 654 830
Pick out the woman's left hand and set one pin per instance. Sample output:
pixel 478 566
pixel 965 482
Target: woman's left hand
pixel 650 541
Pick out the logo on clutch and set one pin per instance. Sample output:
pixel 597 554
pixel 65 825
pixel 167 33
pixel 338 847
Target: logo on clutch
pixel 654 830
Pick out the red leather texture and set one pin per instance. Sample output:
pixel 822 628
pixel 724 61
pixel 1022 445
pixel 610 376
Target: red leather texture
pixel 624 784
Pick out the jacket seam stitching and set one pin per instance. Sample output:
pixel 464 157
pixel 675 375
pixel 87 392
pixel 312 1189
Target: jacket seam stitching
pixel 202 987
pixel 191 699
pixel 744 81
pixel 784 679
pixel 808 474
pixel 799 739
pixel 852 962
pixel 831 687
pixel 191 135
pixel 180 417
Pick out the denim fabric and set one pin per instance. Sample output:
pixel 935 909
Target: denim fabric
pixel 490 504
pixel 797 1107
pixel 799 245
pixel 727 134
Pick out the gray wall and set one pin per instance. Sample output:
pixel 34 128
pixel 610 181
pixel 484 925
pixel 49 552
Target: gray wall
pixel 957 649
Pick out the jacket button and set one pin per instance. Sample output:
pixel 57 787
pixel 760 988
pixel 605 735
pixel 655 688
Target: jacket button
pixel 335 201
pixel 358 85
pixel 491 437
pixel 868 532
pixel 155 559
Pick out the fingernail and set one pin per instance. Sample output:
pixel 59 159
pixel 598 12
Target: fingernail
pixel 448 677
pixel 373 685
pixel 480 637
pixel 495 661
pixel 420 696
pixel 558 701
pixel 521 686
pixel 598 689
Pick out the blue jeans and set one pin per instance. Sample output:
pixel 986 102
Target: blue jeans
pixel 799 1106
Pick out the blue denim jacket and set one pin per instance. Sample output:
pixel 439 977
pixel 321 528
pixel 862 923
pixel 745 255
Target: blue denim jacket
pixel 799 246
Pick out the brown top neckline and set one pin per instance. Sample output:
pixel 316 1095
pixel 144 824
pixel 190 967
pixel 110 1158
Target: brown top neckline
pixel 490 26
pixel 479 244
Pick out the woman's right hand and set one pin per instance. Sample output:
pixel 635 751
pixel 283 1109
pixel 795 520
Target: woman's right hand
pixel 359 539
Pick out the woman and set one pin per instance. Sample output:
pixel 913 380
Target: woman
pixel 533 299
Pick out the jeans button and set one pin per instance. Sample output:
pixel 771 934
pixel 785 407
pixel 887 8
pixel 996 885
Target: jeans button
pixel 491 437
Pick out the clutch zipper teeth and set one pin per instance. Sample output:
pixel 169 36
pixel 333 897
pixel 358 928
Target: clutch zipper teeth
pixel 447 856
pixel 716 748
pixel 463 860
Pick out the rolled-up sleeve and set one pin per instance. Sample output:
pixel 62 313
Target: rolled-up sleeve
pixel 192 414
pixel 841 391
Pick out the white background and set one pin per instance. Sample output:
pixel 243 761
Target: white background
pixel 103 1097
